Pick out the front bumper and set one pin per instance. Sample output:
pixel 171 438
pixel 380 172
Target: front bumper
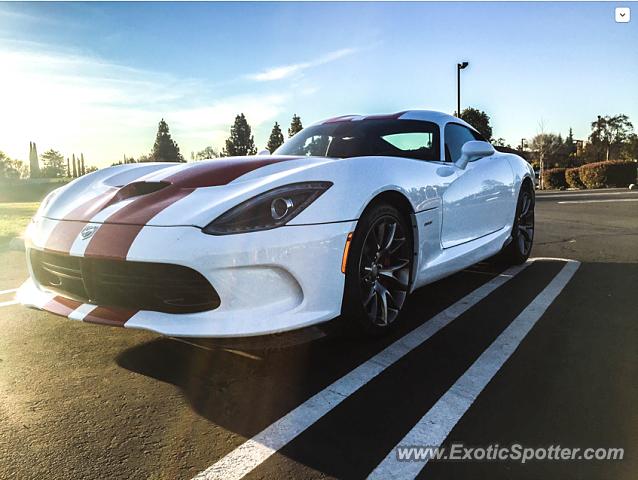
pixel 267 282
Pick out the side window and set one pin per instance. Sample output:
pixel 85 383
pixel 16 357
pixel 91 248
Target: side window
pixel 414 139
pixel 455 137
pixel 410 141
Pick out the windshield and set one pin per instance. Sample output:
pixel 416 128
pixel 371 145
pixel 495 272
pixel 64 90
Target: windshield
pixel 397 138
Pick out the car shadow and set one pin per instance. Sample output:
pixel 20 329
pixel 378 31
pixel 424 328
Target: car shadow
pixel 244 386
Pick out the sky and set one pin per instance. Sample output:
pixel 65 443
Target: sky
pixel 97 78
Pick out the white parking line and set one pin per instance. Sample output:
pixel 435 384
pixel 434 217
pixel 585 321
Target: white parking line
pixel 258 449
pixel 8 304
pixel 593 194
pixel 433 428
pixel 11 290
pixel 602 201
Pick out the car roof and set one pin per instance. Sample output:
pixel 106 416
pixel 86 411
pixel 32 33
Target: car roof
pixel 423 115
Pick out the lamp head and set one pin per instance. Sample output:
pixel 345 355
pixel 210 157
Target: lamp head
pixel 463 65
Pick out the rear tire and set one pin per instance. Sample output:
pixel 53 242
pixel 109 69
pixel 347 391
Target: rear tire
pixel 378 270
pixel 517 251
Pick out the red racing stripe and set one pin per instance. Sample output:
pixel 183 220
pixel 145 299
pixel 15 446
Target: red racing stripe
pixel 66 230
pixel 61 305
pixel 221 171
pixel 389 116
pixel 112 316
pixel 349 118
pixel 113 241
pixel 88 209
pixel 342 118
pixel 115 237
pixel 63 236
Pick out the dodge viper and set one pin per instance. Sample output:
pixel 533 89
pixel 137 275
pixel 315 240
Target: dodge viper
pixel 346 218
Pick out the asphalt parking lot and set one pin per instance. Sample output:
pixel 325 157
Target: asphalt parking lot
pixel 542 355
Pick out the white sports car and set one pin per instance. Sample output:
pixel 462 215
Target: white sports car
pixel 348 216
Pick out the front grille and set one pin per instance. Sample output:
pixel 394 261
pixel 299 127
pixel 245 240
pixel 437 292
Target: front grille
pixel 160 287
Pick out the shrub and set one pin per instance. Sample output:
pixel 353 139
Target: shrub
pixel 608 174
pixel 554 178
pixel 572 177
pixel 28 190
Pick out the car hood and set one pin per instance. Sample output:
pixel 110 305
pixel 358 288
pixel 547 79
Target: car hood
pixel 170 194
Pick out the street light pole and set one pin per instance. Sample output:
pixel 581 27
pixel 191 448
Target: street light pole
pixel 459 67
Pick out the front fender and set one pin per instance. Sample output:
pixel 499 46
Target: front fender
pixel 357 181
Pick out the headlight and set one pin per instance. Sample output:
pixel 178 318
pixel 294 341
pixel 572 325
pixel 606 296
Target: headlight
pixel 267 210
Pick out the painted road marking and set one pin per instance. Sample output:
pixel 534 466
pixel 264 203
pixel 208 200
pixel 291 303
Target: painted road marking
pixel 4 292
pixel 602 201
pixel 7 304
pixel 258 449
pixel 433 428
pixel 596 194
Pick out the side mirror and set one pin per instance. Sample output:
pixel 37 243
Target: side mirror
pixel 264 152
pixel 472 151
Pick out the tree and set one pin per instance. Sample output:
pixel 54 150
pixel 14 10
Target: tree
pixel 34 164
pixel 608 134
pixel 241 141
pixel 479 120
pixel 501 142
pixel 544 148
pixel 569 149
pixel 75 167
pixel 276 138
pixel 68 167
pixel 208 152
pixel 82 169
pixel 295 125
pixel 165 148
pixel 124 161
pixel 54 164
pixel 630 151
pixel 570 143
pixel 11 168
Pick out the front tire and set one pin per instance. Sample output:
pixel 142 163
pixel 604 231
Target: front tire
pixel 378 270
pixel 517 251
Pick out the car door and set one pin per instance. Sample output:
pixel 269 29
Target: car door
pixel 479 200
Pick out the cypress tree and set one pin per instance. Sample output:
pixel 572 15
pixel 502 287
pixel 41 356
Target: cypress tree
pixel 295 125
pixel 241 142
pixel 75 168
pixel 34 164
pixel 276 138
pixel 165 148
pixel 82 169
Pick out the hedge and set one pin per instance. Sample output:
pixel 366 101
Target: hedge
pixel 17 190
pixel 554 178
pixel 572 177
pixel 608 174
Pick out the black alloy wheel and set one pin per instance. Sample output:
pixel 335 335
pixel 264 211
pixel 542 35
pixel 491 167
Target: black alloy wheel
pixel 379 269
pixel 522 239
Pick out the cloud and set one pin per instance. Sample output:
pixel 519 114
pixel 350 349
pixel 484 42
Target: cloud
pixel 74 102
pixel 285 71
